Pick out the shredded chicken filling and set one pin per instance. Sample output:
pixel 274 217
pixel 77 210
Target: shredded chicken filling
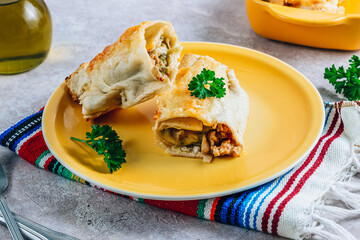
pixel 160 56
pixel 215 142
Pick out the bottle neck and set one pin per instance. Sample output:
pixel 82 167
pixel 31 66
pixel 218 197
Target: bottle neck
pixel 6 2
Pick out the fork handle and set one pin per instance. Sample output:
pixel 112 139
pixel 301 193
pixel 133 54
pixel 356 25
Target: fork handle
pixel 37 231
pixel 10 221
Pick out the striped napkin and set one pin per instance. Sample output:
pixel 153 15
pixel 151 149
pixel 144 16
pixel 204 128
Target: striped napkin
pixel 299 204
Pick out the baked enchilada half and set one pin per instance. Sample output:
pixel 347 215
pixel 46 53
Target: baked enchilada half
pixel 141 64
pixel 202 128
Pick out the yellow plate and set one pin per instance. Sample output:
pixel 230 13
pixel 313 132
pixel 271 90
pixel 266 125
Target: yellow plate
pixel 286 119
pixel 307 27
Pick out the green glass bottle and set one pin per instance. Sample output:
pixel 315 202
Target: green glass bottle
pixel 25 35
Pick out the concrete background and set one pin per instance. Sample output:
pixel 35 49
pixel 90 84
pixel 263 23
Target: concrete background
pixel 81 29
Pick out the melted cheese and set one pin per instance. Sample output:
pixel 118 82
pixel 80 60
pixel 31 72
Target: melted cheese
pixel 186 123
pixel 176 106
pixel 329 6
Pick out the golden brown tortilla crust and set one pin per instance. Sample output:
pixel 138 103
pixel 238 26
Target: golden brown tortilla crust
pixel 88 67
pixel 105 53
pixel 73 96
pixel 100 58
pixel 109 49
pixel 67 80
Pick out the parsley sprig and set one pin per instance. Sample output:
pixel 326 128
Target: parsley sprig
pixel 105 141
pixel 346 81
pixel 198 85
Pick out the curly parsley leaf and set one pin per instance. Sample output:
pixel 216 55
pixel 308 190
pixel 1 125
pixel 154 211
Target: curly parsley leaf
pixel 105 141
pixel 206 84
pixel 218 87
pixel 346 81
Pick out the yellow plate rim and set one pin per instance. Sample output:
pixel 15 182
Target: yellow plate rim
pixel 193 196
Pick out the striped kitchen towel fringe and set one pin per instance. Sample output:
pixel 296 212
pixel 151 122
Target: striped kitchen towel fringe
pixel 297 205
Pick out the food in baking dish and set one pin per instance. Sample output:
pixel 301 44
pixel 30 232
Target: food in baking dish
pixel 141 64
pixel 329 6
pixel 202 128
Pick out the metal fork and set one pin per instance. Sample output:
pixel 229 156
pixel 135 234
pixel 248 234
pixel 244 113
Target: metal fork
pixel 29 229
pixel 34 231
pixel 10 222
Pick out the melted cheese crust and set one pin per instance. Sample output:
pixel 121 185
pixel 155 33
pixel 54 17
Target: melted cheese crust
pixel 328 6
pixel 125 74
pixel 231 110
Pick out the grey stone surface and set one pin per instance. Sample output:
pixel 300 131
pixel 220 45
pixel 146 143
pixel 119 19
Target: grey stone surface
pixel 82 28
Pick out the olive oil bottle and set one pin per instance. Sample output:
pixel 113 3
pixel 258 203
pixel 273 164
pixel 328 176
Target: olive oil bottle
pixel 25 35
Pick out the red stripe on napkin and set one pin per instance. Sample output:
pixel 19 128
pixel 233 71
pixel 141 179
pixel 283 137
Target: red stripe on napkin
pixel 304 179
pixel 37 146
pixel 266 217
pixel 213 208
pixel 186 207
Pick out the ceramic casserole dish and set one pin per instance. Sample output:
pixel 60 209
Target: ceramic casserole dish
pixel 307 27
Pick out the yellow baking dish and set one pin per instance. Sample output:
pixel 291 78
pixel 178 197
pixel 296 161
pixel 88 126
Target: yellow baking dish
pixel 307 27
